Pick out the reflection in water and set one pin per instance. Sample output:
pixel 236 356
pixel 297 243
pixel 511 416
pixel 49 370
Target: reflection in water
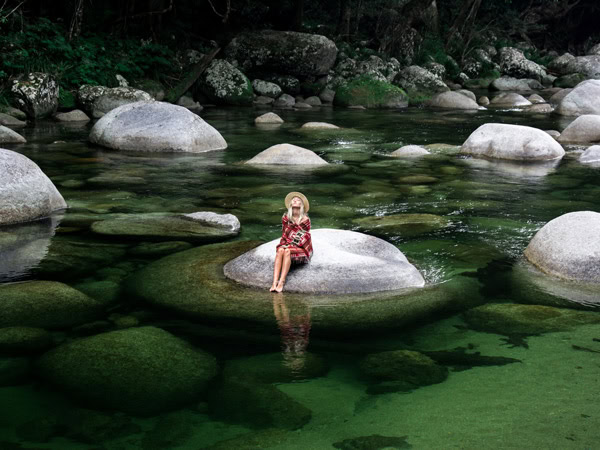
pixel 24 245
pixel 295 328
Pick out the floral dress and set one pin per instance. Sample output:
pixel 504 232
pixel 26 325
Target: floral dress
pixel 297 238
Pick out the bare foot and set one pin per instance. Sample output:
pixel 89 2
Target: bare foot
pixel 279 287
pixel 273 287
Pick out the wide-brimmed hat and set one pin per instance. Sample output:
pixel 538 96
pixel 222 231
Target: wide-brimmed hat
pixel 301 196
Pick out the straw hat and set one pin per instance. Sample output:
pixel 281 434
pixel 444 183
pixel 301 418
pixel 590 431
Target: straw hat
pixel 291 195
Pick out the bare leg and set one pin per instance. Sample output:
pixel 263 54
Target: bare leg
pixel 277 267
pixel 285 268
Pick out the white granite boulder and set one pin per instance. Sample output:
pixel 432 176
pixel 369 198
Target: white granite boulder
pixel 591 155
pixel 26 193
pixel 11 121
pixel 115 97
pixel 568 247
pixel 583 99
pixel 319 126
pixel 8 136
pixel 76 115
pixel 584 129
pixel 452 100
pixel 343 262
pixel 514 63
pixel 155 127
pixel 225 84
pixel 288 154
pixel 509 100
pixel 36 94
pixel 512 142
pixel 227 221
pixel 268 118
pixel 410 151
pixel 419 82
pixel 514 84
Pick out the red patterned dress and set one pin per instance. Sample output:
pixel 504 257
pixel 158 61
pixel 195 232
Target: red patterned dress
pixel 297 238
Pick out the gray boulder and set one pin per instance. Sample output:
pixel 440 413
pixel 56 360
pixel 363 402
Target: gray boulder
pixel 72 116
pixel 569 81
pixel 509 100
pixel 557 97
pixel 36 95
pixel 589 66
pixel 513 142
pixel 327 95
pixel 313 101
pixel 8 136
pixel 408 366
pixel 419 83
pixel 11 121
pixel 561 64
pixel 568 247
pixel 26 193
pixel 266 88
pixel 583 99
pixel 343 262
pixel 224 84
pixel 468 93
pixel 513 84
pixel 595 50
pixel 452 100
pixel 319 126
pixel 483 100
pixel 16 113
pixel 142 371
pixel 261 100
pixel 539 108
pixel 514 63
pixel 87 95
pixel 284 101
pixel 535 98
pixel 584 129
pixel 410 151
pixel 268 118
pixel 187 101
pixel 115 97
pixel 297 54
pixel 155 127
pixel 288 154
pixel 227 221
pixel 45 304
pixel 591 155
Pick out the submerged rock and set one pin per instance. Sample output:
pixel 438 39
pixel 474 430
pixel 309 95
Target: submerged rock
pixel 513 142
pixel 373 442
pixel 45 304
pixel 319 126
pixel 410 151
pixel 14 371
pixel 568 247
pixel 23 340
pixel 141 371
pixel 72 116
pixel 197 228
pixel 26 192
pixel 288 154
pixel 268 118
pixel 402 225
pixel 338 266
pixel 155 127
pixel 516 319
pixel 36 95
pixel 584 129
pixel 403 365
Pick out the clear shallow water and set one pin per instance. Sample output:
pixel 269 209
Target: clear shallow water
pixel 489 213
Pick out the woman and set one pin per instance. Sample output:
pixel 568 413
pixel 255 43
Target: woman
pixel 295 245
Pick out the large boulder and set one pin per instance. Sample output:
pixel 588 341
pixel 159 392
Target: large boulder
pixel 266 88
pixel 288 154
pixel 36 95
pixel 452 100
pixel 408 366
pixel 87 95
pixel 115 97
pixel 26 193
pixel 560 64
pixel 514 63
pixel 419 83
pixel 155 127
pixel 591 155
pixel 343 262
pixel 513 142
pixel 583 99
pixel 589 66
pixel 513 84
pixel 287 52
pixel 568 247
pixel 142 371
pixel 8 136
pixel 45 304
pixel 222 83
pixel 584 129
pixel 370 93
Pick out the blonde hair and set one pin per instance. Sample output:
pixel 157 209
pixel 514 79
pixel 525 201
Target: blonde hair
pixel 301 216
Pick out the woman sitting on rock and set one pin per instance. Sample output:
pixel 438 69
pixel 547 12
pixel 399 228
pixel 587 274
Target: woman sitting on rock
pixel 295 245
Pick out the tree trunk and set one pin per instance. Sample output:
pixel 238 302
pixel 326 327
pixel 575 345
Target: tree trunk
pixel 181 88
pixel 343 28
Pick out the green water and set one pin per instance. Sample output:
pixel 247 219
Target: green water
pixel 488 213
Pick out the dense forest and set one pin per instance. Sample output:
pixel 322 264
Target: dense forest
pixel 84 42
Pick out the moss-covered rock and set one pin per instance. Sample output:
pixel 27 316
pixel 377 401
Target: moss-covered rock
pixel 45 304
pixel 253 440
pixel 36 94
pixel 14 371
pixel 403 365
pixel 511 318
pixel 370 93
pixel 257 405
pixel 569 81
pixel 141 371
pixel 23 340
pixel 222 83
pixel 373 442
pixel 419 83
pixel 402 224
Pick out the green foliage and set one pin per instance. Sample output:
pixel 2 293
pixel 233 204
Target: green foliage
pixel 91 59
pixel 431 50
pixel 66 99
pixel 368 92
